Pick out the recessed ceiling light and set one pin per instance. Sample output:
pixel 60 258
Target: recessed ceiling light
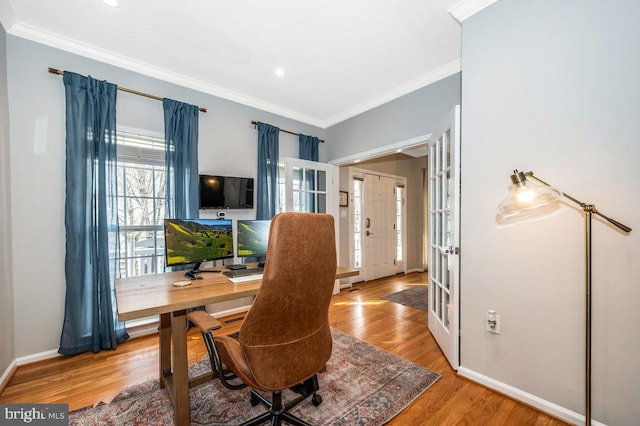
pixel 279 72
pixel 112 3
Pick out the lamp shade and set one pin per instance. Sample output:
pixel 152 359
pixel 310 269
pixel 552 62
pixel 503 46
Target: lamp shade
pixel 527 201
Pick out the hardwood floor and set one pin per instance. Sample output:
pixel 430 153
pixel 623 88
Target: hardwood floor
pixel 88 379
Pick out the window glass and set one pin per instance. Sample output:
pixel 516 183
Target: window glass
pixel 357 223
pixel 141 203
pixel 399 229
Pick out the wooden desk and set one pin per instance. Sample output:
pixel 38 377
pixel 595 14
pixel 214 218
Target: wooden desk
pixel 147 295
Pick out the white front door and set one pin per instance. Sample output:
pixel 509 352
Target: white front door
pixel 444 238
pixel 379 232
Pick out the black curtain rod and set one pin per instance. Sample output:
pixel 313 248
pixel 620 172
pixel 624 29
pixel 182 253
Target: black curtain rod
pixel 124 89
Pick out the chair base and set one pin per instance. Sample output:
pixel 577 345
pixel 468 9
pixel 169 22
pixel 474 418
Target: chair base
pixel 278 412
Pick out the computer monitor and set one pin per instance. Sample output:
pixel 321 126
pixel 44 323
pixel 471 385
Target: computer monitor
pixel 253 238
pixel 188 241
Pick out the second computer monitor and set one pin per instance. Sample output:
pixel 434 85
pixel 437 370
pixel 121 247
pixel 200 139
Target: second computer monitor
pixel 253 238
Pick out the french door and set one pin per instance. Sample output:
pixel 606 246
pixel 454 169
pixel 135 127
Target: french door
pixel 309 187
pixel 443 208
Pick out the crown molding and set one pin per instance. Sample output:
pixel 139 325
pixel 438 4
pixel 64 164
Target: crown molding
pixel 468 8
pixel 7 17
pixel 38 35
pixel 20 29
pixel 411 86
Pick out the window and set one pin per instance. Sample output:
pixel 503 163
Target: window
pixel 399 227
pixel 357 222
pixel 141 202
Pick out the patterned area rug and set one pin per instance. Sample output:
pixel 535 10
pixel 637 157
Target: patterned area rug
pixel 416 297
pixel 363 385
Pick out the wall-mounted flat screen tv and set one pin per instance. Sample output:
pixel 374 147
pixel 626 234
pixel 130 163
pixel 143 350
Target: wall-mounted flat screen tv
pixel 226 192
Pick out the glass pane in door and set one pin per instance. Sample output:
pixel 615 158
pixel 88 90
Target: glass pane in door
pixel 297 178
pixel 310 202
pixel 322 203
pixel 309 180
pixel 322 180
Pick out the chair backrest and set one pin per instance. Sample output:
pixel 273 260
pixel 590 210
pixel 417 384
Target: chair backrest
pixel 286 336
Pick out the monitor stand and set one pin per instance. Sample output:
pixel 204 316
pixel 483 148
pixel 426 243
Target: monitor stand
pixel 196 270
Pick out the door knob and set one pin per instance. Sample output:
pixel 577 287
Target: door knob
pixel 369 233
pixel 451 250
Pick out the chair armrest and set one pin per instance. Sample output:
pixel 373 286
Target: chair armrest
pixel 205 322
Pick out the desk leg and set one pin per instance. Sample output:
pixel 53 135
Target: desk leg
pixel 180 368
pixel 165 347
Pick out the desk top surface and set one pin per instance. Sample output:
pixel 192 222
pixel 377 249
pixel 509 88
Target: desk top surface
pixel 147 295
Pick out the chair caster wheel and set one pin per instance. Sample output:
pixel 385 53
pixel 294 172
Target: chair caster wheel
pixel 316 399
pixel 254 400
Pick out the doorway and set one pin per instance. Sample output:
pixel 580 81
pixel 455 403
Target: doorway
pixel 388 190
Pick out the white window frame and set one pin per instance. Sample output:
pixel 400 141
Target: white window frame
pixel 401 225
pixel 355 233
pixel 140 155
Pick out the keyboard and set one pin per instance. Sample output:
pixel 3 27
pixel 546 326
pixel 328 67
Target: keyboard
pixel 244 275
pixel 246 278
pixel 243 272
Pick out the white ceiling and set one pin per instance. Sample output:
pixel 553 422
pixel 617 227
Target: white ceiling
pixel 341 57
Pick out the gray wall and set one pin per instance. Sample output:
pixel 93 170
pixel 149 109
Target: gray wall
pixel 418 113
pixel 227 146
pixel 7 332
pixel 553 87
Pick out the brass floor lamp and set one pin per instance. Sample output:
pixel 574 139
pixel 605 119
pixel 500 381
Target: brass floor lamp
pixel 530 202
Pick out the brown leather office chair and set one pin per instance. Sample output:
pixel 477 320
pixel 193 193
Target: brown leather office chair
pixel 285 339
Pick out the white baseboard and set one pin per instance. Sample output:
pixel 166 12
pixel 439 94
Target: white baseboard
pixel 8 373
pixel 143 330
pixel 152 327
pixel 40 356
pixel 138 331
pixel 348 282
pixel 526 398
pixel 230 311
